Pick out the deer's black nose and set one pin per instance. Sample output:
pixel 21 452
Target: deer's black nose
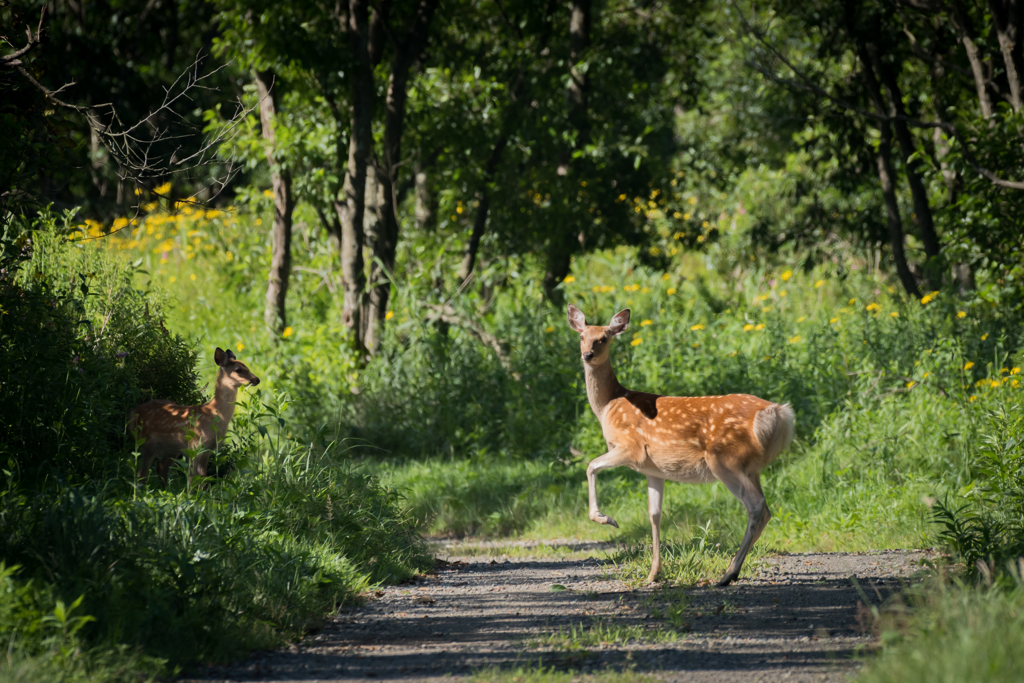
pixel 255 381
pixel 588 355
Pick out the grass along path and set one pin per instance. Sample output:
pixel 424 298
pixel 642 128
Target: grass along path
pixel 535 618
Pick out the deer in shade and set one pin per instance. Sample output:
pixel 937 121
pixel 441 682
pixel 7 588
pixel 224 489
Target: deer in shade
pixel 692 439
pixel 166 429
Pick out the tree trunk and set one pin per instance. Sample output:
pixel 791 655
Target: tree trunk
pixel 518 95
pixel 426 201
pixel 883 160
pixel 562 246
pixel 965 30
pixel 922 210
pixel 385 244
pixel 351 207
pixel 484 195
pixel 274 315
pixel 1007 16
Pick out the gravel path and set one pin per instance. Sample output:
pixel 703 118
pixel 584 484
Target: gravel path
pixel 795 619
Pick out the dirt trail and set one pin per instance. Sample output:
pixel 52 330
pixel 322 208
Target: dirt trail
pixel 793 620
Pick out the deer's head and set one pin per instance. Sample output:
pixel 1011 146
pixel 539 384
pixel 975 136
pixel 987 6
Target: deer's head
pixel 594 339
pixel 236 371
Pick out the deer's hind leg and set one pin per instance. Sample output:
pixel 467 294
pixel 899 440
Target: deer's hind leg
pixel 747 488
pixel 614 458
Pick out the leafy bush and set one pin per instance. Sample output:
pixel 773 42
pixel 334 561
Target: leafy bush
pixel 79 346
pixel 145 580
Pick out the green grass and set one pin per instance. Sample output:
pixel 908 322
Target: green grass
pixel 541 674
pixel 605 631
pixel 953 633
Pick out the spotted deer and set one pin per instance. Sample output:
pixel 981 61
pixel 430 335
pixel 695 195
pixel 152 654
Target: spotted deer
pixel 166 429
pixel 692 439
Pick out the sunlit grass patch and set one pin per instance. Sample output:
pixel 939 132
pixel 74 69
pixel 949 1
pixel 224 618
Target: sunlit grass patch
pixel 541 674
pixel 605 632
pixel 948 632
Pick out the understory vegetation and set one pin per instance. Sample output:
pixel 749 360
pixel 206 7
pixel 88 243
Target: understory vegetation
pixel 101 580
pixel 907 429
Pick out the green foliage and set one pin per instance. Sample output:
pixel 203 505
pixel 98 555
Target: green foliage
pixel 987 530
pixel 79 346
pixel 191 573
pixel 952 633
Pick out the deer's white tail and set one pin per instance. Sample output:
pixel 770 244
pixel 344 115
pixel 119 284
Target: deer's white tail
pixel 773 428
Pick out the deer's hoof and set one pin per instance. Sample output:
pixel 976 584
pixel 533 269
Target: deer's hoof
pixel 727 579
pixel 604 519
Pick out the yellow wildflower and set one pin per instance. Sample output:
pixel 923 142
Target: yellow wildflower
pixel 173 279
pixel 1015 371
pixel 288 331
pixel 670 291
pixel 646 323
pixel 928 298
pixel 549 329
pixel 968 365
pixel 692 200
pixel 389 315
pixel 972 398
pixel 162 189
pixel 910 384
pixel 665 276
pixel 795 340
pixel 833 321
pixel 894 314
pixel 697 327
pixel 268 193
pixel 872 307
pixel 686 216
pixel 637 342
pixel 695 345
pixel 801 318
pixel 852 301
pixel 569 278
pixel 192 277
pixel 984 336
pixel 819 283
pixel 758 327
pixel 239 346
pixel 621 198
pixel 961 314
pixel 748 327
pixel 788 274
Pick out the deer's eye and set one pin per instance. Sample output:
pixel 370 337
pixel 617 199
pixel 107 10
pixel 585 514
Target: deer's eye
pixel 598 342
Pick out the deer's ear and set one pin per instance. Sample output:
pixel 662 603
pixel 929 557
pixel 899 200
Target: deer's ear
pixel 219 357
pixel 577 321
pixel 230 354
pixel 619 323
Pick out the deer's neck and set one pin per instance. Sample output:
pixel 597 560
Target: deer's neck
pixel 602 386
pixel 223 403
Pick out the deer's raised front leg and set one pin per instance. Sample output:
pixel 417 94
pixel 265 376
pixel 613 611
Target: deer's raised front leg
pixel 613 458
